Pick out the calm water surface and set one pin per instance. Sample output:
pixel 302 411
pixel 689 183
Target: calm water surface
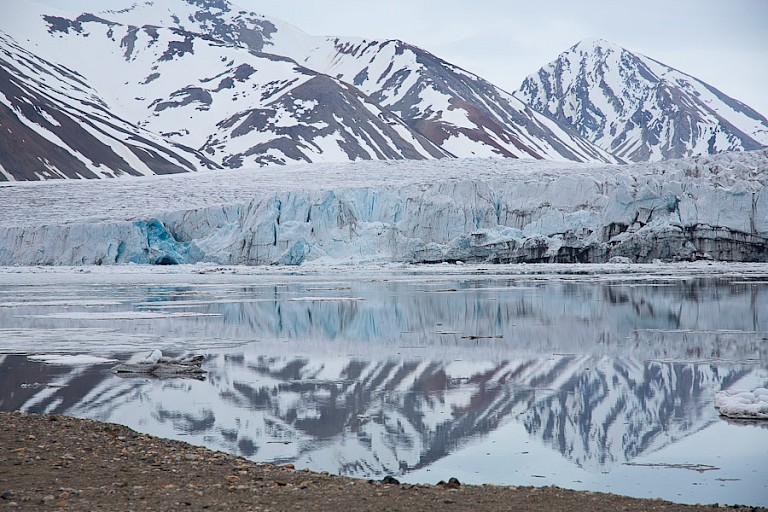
pixel 585 380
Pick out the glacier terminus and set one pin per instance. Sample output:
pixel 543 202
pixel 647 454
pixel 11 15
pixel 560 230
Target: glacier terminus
pixel 481 210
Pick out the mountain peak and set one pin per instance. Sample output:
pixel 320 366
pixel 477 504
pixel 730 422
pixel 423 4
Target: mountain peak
pixel 592 43
pixel 638 108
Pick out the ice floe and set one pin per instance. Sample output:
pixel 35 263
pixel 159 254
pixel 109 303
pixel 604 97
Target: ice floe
pixel 120 315
pixel 743 404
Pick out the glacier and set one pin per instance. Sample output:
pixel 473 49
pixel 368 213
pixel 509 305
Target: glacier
pixel 473 210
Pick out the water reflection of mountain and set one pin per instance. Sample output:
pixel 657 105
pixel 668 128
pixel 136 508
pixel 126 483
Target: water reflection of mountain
pixel 391 375
pixel 615 410
pixel 369 418
pixel 563 315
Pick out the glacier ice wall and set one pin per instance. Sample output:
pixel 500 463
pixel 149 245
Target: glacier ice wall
pixel 710 207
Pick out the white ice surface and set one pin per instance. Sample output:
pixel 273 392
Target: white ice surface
pixel 122 315
pixel 153 357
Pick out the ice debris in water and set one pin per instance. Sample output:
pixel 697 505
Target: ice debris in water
pixel 159 365
pixel 743 404
pixel 152 358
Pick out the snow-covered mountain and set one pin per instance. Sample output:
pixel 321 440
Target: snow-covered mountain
pixel 461 112
pixel 458 111
pixel 640 109
pixel 237 107
pixel 249 91
pixel 180 85
pixel 55 126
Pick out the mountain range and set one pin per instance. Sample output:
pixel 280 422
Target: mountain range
pixel 167 87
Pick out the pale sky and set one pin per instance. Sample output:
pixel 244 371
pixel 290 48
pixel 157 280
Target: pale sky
pixel 722 42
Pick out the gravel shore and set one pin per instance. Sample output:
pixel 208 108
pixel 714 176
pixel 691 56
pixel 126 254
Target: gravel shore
pixel 62 463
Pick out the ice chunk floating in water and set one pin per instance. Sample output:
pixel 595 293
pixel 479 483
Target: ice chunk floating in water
pixel 743 404
pixel 158 365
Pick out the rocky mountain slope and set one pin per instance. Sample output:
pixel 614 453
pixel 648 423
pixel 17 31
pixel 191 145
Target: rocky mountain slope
pixel 193 84
pixel 460 111
pixel 237 107
pixel 56 126
pixel 640 109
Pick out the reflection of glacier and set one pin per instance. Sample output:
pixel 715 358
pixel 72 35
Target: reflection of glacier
pixel 698 320
pixel 366 418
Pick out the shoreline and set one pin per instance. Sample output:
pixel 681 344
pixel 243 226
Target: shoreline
pixel 65 463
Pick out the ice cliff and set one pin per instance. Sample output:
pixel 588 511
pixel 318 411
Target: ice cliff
pixel 465 210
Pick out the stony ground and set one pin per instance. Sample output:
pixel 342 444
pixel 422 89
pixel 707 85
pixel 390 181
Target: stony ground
pixel 61 463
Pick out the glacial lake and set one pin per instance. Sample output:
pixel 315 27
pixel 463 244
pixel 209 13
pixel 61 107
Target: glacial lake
pixel 586 377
